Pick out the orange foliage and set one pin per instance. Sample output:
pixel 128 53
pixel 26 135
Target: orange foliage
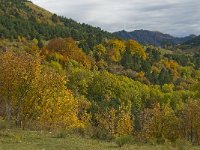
pixel 69 49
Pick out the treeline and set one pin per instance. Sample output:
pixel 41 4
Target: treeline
pixel 59 86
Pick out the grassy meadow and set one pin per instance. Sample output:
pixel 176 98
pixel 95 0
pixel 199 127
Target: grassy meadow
pixel 39 140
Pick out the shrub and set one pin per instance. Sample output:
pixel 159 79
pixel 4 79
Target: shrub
pixel 61 133
pixel 101 134
pixel 123 140
pixel 87 131
pixel 152 141
pixel 18 138
pixel 3 124
pixel 182 144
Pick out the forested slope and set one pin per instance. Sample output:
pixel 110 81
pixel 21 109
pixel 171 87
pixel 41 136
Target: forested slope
pixel 23 18
pixel 107 90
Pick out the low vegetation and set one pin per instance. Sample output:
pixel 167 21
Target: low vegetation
pixel 40 140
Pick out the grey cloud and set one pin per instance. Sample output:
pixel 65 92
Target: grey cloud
pixel 158 7
pixel 176 17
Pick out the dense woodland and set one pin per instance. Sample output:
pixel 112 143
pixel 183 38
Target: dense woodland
pixel 78 77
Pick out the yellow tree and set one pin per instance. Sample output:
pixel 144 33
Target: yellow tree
pixel 124 123
pixel 190 121
pixel 84 117
pixel 18 73
pixel 135 48
pixel 54 105
pixel 173 66
pixel 35 92
pixel 115 50
pixel 107 121
pixel 160 123
pixel 99 51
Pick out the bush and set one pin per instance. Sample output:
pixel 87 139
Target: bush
pixel 3 124
pixel 152 141
pixel 61 133
pixel 86 132
pixel 18 138
pixel 124 140
pixel 182 144
pixel 101 134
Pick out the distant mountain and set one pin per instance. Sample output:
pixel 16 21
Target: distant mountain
pixel 23 18
pixel 152 37
pixel 195 42
pixel 192 45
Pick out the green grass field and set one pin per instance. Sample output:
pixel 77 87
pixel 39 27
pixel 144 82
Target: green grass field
pixel 33 140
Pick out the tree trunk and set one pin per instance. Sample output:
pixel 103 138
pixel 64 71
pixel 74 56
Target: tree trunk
pixel 8 112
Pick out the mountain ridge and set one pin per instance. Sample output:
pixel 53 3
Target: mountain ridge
pixel 155 38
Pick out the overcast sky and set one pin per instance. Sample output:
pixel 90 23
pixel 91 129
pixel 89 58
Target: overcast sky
pixel 176 17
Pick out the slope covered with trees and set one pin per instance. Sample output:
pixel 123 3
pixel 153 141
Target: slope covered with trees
pixel 23 18
pixel 119 89
pixel 115 89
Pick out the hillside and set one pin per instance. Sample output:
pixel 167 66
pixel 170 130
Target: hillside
pixel 152 37
pixel 23 18
pixel 25 10
pixel 66 85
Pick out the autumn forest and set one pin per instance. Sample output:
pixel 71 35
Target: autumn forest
pixel 56 73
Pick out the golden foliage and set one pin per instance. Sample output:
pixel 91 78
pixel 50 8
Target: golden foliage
pixel 135 48
pixel 35 92
pixel 116 123
pixel 115 50
pixel 160 123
